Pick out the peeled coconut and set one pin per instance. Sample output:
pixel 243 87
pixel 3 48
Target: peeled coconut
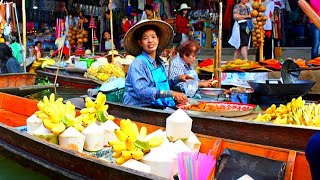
pixel 45 134
pixel 178 126
pixel 33 123
pixel 137 165
pixel 108 128
pixel 72 139
pixel 94 138
pixel 193 143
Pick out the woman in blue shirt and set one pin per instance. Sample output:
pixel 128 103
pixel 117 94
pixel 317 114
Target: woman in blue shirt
pixel 147 83
pixel 9 64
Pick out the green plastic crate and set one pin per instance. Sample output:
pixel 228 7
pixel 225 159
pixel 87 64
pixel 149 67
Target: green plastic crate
pixel 115 95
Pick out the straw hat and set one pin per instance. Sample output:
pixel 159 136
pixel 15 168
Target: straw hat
pixel 87 52
pixel 165 34
pixel 184 6
pixel 115 54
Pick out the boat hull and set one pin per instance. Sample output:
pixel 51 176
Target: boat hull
pixel 284 136
pixel 67 78
pixel 15 110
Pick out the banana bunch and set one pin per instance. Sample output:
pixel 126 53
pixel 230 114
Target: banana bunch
pixel 57 116
pixel 95 110
pixel 295 112
pixel 104 72
pixel 132 143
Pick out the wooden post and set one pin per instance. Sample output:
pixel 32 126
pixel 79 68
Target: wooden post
pixel 24 30
pixel 217 64
pixel 111 28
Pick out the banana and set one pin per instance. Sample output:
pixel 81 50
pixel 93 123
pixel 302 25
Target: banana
pixel 59 128
pixel 46 100
pixel 121 160
pixel 143 131
pixel 70 106
pixel 78 127
pixel 155 141
pixel 101 100
pixel 114 142
pixel 59 101
pixel 121 135
pixel 137 154
pixel 51 112
pixel 88 110
pixel 52 98
pixel 116 154
pixel 48 124
pixel 89 102
pixel 119 147
pixel 127 154
pixel 124 126
pixel 130 144
pixel 40 105
pixel 42 116
pixel 135 129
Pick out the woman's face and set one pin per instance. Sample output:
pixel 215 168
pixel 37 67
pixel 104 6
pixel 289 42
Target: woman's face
pixel 244 1
pixel 185 11
pixel 106 35
pixel 148 12
pixel 189 60
pixel 149 41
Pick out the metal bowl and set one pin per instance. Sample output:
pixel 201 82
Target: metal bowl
pixel 211 91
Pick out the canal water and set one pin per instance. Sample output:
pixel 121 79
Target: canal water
pixel 9 168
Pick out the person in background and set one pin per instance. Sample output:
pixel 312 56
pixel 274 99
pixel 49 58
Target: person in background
pixel 16 49
pixel 147 83
pixel 313 155
pixel 183 64
pixel 164 17
pixel 106 43
pixel 315 32
pixel 80 49
pixel 9 64
pixel 241 13
pixel 125 24
pixel 115 28
pixel 149 13
pixel 38 50
pixel 83 21
pixel 182 22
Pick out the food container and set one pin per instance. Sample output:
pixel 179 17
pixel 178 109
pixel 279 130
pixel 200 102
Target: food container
pixel 211 91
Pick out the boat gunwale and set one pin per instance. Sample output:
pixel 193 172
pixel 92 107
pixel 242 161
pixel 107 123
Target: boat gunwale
pixel 75 154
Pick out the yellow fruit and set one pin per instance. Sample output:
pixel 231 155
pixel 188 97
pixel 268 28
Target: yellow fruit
pixel 119 147
pixel 143 131
pixel 127 154
pixel 155 141
pixel 121 160
pixel 121 135
pixel 137 155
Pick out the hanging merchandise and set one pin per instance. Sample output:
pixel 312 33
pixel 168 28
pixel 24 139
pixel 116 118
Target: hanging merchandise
pixel 7 28
pixel 94 38
pixel 129 9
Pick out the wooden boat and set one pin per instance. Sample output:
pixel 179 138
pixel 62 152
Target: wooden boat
pixel 284 136
pixel 15 110
pixel 70 77
pixel 21 84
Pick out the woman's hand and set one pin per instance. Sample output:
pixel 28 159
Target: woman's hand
pixel 184 77
pixel 208 83
pixel 179 97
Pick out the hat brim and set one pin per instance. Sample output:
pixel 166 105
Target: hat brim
pixel 187 8
pixel 165 35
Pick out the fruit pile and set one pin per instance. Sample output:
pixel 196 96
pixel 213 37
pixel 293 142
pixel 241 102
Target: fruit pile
pixel 240 64
pixel 272 64
pixel 131 142
pixel 295 112
pixel 95 110
pixel 77 36
pixel 315 61
pixel 259 21
pixel 56 115
pixel 104 72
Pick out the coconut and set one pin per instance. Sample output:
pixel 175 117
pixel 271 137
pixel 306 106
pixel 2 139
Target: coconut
pixel 262 8
pixel 94 137
pixel 255 5
pixel 178 125
pixel 193 143
pixel 45 134
pixel 108 128
pixel 254 13
pixel 85 39
pixel 72 139
pixel 136 165
pixel 161 161
pixel 33 123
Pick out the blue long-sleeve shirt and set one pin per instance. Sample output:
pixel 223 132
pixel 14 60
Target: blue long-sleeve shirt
pixel 140 86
